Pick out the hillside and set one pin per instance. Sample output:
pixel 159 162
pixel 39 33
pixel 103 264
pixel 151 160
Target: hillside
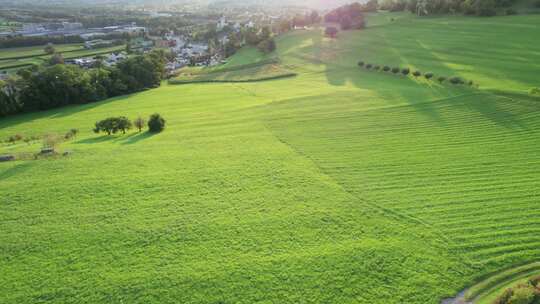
pixel 338 185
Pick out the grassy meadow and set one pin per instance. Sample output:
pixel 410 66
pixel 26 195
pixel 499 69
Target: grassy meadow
pixel 339 185
pixel 259 71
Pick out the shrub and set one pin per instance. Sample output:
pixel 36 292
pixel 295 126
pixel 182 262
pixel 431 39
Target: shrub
pixel 156 123
pixel 534 280
pixel 14 138
pixel 331 32
pixel 377 67
pixel 534 91
pixel 470 83
pixel 369 66
pixel 360 63
pixel 386 68
pixel 456 80
pixel 417 74
pixel 49 49
pixel 395 70
pixel 71 134
pixel 441 79
pixel 139 123
pixel 428 75
pixel 522 295
pixel 405 71
pixel 504 297
pixel 51 141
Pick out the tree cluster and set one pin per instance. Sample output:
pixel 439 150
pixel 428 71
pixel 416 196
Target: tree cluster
pixel 113 125
pixel 260 38
pixel 46 87
pixel 350 16
pixel 23 41
pixel 432 7
pixel 456 80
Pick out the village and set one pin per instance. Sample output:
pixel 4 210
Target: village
pixel 188 46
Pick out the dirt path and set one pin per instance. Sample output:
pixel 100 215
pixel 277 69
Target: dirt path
pixel 459 299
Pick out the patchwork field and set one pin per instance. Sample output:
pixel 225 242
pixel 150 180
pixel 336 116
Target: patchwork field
pixel 24 56
pixel 338 185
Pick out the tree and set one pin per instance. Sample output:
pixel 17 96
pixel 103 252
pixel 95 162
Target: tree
pixel 371 6
pixel 56 58
pixel 345 22
pixel 265 33
pixel 124 124
pixel 331 32
pixel 10 102
pixel 156 123
pixel 49 49
pixel 112 125
pixel 315 17
pixel 107 125
pixel 484 7
pixel 285 26
pixel 267 46
pixel 139 123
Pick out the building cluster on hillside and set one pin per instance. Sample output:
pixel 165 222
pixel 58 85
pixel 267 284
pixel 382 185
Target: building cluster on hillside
pixel 72 29
pixel 88 62
pixel 234 23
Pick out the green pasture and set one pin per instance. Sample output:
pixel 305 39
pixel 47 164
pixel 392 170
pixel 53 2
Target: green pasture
pixel 339 185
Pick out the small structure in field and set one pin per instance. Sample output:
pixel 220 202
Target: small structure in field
pixel 47 150
pixel 5 158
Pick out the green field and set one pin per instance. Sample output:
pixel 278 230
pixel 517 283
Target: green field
pixel 35 55
pixel 339 185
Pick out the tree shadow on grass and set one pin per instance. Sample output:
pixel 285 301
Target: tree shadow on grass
pixel 95 140
pixel 17 169
pixel 136 137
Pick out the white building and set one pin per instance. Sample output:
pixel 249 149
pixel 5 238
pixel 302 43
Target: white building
pixel 70 26
pixel 32 27
pixel 113 59
pixel 221 23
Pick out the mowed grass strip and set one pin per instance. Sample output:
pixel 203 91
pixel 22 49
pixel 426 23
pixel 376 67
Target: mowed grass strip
pixel 249 73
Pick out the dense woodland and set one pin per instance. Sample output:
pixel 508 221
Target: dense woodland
pixel 432 7
pixel 46 87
